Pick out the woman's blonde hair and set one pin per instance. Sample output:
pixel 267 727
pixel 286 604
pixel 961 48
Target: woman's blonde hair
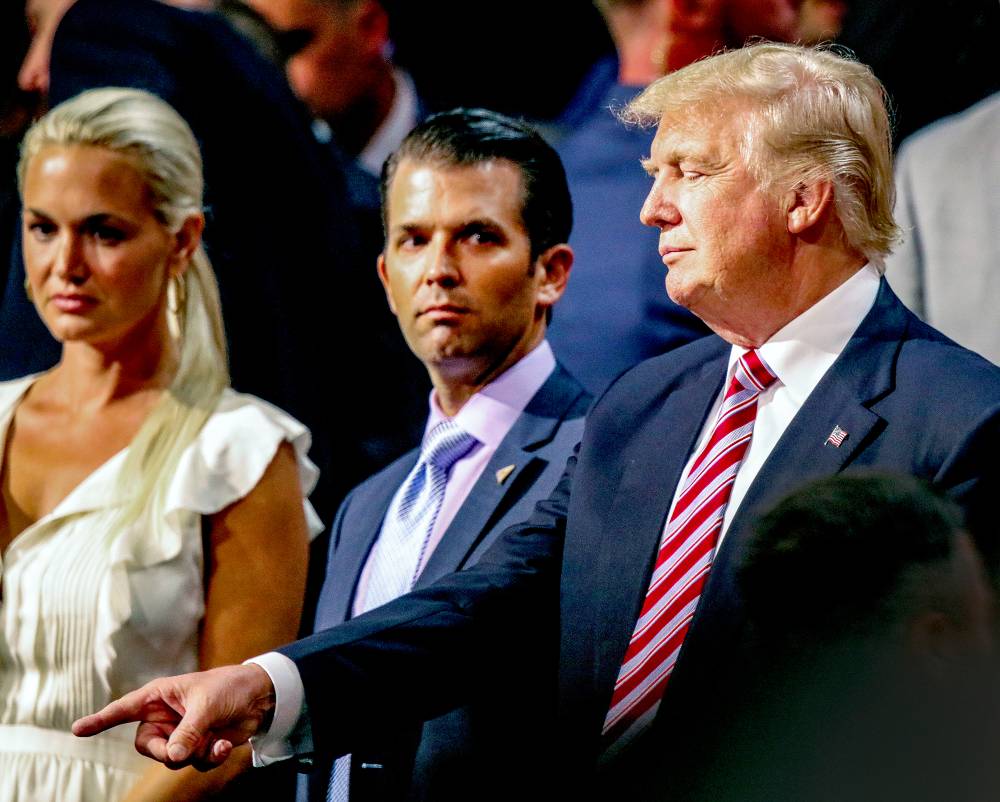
pixel 140 125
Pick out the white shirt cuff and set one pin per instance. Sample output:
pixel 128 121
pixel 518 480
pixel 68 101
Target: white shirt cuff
pixel 279 743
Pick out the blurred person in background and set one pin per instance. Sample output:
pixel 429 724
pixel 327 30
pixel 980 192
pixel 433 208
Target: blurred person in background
pixel 947 266
pixel 151 519
pixel 338 63
pixel 820 21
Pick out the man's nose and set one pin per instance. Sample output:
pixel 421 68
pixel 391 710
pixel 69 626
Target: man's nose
pixel 442 266
pixel 659 210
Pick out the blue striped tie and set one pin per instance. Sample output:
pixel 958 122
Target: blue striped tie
pixel 399 551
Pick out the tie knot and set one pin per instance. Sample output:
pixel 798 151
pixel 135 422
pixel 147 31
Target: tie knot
pixel 445 444
pixel 752 374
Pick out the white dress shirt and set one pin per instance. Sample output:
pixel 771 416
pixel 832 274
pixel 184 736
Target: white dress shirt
pixel 399 121
pixel 799 354
pixel 489 415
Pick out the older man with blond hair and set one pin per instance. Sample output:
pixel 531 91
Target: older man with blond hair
pixel 772 192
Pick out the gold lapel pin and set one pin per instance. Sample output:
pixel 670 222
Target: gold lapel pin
pixel 503 473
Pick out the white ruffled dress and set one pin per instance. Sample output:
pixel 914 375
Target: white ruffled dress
pixel 87 615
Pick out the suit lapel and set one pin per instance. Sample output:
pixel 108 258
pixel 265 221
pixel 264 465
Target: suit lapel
pixel 843 398
pixel 862 374
pixel 359 529
pixel 489 497
pixel 642 500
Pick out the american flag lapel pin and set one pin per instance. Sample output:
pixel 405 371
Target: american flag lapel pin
pixel 837 436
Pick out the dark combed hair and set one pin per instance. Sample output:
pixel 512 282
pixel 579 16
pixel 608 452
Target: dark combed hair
pixel 466 137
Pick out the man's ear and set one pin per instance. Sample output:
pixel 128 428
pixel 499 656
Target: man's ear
pixel 383 276
pixel 186 242
pixel 553 267
pixel 371 23
pixel 807 204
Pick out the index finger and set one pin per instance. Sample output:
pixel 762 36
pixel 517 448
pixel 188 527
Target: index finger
pixel 131 707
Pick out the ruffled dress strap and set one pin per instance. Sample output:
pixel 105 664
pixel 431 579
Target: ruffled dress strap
pixel 231 453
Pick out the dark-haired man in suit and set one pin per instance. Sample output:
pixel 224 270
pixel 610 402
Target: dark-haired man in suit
pixel 476 215
pixel 771 190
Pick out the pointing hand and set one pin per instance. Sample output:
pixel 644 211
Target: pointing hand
pixel 192 719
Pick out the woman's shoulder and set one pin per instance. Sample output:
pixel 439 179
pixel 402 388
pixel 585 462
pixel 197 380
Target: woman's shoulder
pixel 233 450
pixel 237 411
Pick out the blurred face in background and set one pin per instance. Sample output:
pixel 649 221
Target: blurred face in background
pixel 821 20
pixel 335 46
pixel 777 20
pixel 43 18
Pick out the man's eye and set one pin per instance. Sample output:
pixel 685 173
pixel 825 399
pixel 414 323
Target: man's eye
pixel 41 230
pixel 410 241
pixel 484 237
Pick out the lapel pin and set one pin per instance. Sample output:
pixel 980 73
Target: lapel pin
pixel 503 473
pixel 837 436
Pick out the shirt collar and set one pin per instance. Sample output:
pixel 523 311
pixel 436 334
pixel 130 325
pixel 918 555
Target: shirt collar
pixel 804 349
pixel 491 413
pixel 394 128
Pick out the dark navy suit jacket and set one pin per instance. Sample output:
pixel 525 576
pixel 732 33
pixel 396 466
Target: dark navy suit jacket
pixel 440 760
pixel 911 401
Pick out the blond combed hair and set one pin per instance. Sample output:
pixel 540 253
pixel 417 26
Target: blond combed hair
pixel 140 125
pixel 812 114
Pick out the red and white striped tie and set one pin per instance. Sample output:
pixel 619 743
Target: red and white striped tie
pixel 685 557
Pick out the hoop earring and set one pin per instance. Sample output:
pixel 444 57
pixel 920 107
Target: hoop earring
pixel 176 305
pixel 176 295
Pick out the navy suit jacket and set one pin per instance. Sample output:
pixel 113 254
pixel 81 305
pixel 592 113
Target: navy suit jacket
pixel 911 401
pixel 440 760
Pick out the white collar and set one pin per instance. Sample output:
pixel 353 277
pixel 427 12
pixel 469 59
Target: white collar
pixel 803 350
pixel 489 414
pixel 389 135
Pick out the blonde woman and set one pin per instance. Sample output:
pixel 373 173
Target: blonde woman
pixel 152 521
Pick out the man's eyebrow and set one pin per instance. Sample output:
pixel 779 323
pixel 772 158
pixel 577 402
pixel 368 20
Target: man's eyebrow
pixel 647 164
pixel 480 223
pixel 412 225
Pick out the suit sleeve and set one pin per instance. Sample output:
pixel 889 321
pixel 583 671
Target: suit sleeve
pixel 971 475
pixel 420 655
